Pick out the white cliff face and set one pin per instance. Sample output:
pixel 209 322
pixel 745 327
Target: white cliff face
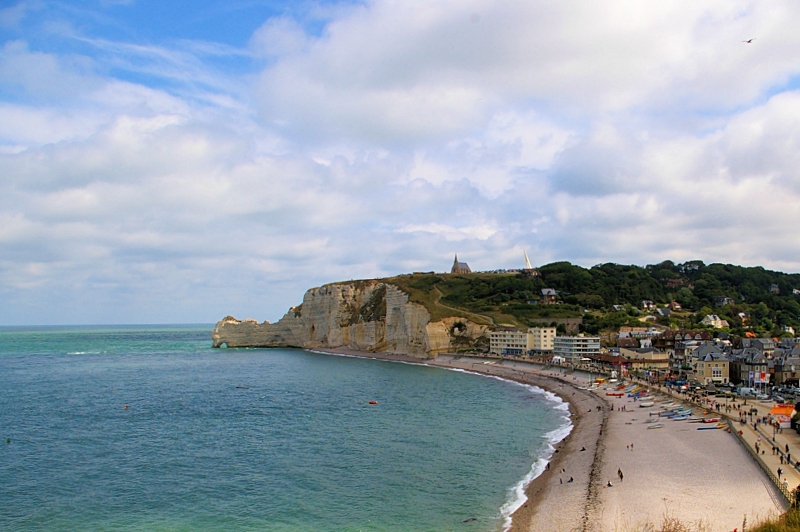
pixel 363 315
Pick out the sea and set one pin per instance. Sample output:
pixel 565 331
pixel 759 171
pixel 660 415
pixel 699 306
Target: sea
pixel 149 428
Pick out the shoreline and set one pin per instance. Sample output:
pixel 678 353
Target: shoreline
pixel 675 474
pixel 550 488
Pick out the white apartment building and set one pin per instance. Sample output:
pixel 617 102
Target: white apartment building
pixel 541 338
pixel 573 348
pixel 513 341
pixel 508 341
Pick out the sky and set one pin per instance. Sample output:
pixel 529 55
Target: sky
pixel 177 162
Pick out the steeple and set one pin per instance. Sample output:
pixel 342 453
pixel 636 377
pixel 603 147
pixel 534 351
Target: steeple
pixel 460 267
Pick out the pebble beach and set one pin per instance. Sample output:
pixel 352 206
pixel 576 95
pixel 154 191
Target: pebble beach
pixel 703 478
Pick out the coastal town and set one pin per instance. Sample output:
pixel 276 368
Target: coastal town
pixel 710 358
pixel 747 385
pixel 695 366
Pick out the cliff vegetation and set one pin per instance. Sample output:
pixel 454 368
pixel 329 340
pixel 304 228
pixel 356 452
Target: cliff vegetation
pixel 608 296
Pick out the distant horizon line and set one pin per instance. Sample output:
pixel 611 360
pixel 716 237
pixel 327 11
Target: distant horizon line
pixel 106 325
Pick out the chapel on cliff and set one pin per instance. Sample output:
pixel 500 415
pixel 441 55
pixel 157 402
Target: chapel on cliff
pixel 460 267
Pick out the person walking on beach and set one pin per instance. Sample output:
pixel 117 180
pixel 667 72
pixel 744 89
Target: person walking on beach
pixel 619 474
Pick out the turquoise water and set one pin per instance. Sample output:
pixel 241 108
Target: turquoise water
pixel 235 439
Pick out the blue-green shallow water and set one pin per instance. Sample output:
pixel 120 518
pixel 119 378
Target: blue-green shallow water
pixel 299 449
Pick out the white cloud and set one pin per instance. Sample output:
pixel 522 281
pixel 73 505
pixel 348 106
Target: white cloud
pixel 452 234
pixel 403 133
pixel 414 71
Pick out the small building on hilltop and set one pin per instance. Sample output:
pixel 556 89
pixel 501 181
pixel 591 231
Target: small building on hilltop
pixel 529 270
pixel 549 296
pixel 714 321
pixel 460 267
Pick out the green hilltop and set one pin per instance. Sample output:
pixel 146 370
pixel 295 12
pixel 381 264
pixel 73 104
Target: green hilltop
pixel 608 296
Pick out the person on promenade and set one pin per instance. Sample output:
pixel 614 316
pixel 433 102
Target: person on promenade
pixel 780 472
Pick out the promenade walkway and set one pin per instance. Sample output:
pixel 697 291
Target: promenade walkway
pixel 763 436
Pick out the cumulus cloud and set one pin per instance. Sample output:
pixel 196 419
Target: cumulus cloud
pixel 141 182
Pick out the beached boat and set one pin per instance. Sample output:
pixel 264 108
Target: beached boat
pixel 678 413
pixel 646 404
pixel 615 394
pixel 712 420
pixel 656 426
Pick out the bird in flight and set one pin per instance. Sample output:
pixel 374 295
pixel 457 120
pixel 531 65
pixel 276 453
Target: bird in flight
pixel 750 41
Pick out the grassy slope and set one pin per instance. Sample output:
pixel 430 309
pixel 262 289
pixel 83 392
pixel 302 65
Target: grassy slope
pixel 486 298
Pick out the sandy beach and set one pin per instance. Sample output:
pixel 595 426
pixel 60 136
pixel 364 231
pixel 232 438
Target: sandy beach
pixel 697 476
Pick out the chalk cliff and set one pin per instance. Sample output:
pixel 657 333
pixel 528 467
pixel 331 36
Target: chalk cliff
pixel 369 316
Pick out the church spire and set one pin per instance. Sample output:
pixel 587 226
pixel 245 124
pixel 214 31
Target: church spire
pixel 460 267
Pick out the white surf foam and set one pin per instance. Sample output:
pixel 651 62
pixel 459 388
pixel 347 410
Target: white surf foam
pixel 517 496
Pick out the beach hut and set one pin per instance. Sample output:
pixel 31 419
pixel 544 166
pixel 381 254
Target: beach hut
pixel 782 414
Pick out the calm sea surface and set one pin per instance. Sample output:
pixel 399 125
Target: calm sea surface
pixel 236 439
